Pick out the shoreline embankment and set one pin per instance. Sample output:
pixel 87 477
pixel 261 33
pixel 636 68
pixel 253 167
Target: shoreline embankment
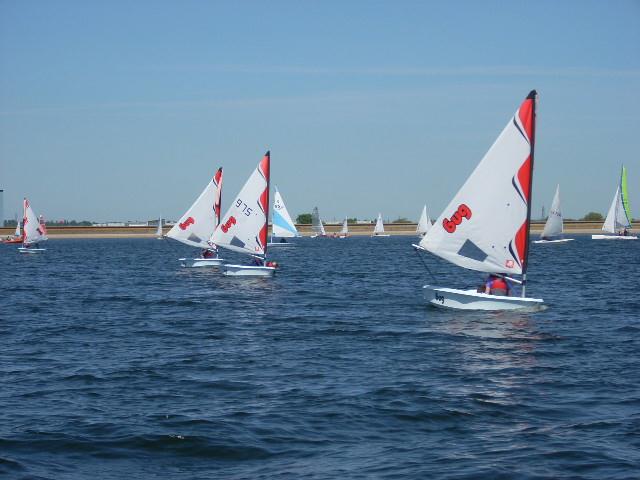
pixel 54 232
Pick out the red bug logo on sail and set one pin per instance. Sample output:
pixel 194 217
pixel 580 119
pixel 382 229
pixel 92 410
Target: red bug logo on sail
pixel 186 223
pixel 228 224
pixel 450 224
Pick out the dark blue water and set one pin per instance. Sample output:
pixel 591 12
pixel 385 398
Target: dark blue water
pixel 117 363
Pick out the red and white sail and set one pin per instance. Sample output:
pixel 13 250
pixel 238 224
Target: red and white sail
pixel 244 226
pixel 196 227
pixel 485 227
pixel 34 232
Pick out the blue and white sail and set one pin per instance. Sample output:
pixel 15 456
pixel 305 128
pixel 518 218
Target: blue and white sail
pixel 282 225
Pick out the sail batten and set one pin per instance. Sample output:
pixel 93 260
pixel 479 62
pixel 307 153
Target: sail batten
pixel 486 225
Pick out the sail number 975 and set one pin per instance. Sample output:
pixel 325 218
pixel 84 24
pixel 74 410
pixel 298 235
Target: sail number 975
pixel 244 208
pixel 450 224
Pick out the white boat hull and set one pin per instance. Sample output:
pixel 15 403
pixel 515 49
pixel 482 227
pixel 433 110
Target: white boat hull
pixel 472 300
pixel 201 262
pixel 380 235
pixel 31 250
pixel 281 244
pixel 559 240
pixel 248 271
pixel 614 237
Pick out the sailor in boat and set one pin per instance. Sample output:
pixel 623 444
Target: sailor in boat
pixel 259 261
pixel 208 253
pixel 497 285
pixel 282 240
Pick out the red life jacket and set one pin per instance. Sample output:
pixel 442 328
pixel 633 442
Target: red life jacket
pixel 499 284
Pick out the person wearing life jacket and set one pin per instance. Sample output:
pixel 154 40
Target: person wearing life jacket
pixel 207 253
pixel 272 264
pixel 496 285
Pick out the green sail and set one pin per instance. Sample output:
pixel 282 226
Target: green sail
pixel 624 194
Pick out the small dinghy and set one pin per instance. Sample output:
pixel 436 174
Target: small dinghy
pixel 486 226
pixel 244 226
pixel 553 229
pixel 35 231
pixel 378 230
pixel 316 224
pixel 282 226
pixel 344 231
pixel 195 228
pixel 618 221
pixel 424 224
pixel 159 235
pixel 17 236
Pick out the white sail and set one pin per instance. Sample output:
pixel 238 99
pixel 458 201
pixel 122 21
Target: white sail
pixel 553 227
pixel 424 224
pixel 379 228
pixel 159 230
pixel 33 231
pixel 618 217
pixel 316 222
pixel 345 227
pixel 485 227
pixel 17 232
pixel 282 225
pixel 196 227
pixel 244 227
pixel 610 222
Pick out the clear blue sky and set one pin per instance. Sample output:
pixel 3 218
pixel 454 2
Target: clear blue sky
pixel 124 109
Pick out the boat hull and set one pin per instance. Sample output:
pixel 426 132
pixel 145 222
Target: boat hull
pixel 201 262
pixel 614 237
pixel 248 271
pixel 281 244
pixel 471 300
pixel 381 235
pixel 559 240
pixel 31 250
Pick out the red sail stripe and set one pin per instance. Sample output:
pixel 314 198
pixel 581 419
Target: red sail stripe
pixel 264 166
pixel 264 199
pixel 521 240
pixel 526 117
pixel 263 236
pixel 217 180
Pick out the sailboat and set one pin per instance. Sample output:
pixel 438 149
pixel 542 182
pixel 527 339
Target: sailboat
pixel 378 230
pixel 316 224
pixel 424 224
pixel 17 236
pixel 618 219
pixel 195 228
pixel 34 231
pixel 553 228
pixel 159 234
pixel 244 227
pixel 344 231
pixel 486 226
pixel 282 226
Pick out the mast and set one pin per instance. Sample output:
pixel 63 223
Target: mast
pixel 266 214
pixel 533 95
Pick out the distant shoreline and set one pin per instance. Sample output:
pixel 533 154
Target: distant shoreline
pixel 57 232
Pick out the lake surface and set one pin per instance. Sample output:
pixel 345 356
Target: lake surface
pixel 118 363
